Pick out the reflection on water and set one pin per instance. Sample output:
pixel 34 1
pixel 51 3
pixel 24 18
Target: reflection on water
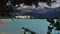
pixel 15 27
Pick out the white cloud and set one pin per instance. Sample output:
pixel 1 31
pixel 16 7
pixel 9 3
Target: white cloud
pixel 42 4
pixel 55 5
pixel 26 6
pixel 31 7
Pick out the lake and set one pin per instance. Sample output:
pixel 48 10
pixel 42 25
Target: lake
pixel 15 27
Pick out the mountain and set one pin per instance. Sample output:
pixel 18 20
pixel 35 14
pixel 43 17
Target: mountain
pixel 38 14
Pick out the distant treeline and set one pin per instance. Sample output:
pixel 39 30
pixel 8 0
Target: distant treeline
pixel 29 2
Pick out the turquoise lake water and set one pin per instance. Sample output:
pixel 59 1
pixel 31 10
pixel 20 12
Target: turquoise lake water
pixel 15 27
